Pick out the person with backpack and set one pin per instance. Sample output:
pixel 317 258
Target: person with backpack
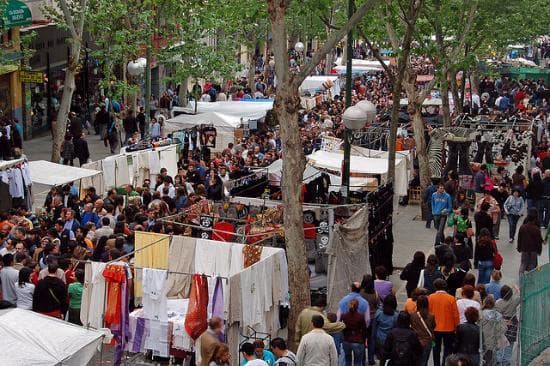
pixel 402 347
pixel 285 357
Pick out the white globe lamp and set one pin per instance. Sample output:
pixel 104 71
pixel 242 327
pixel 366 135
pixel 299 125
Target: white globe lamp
pixel 299 47
pixel 135 68
pixel 368 108
pixel 354 118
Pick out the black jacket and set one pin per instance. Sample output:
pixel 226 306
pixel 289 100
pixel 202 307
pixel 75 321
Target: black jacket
pixel 49 295
pixel 467 339
pixel 529 239
pixel 483 220
pixel 411 273
pixel 81 150
pixel 402 334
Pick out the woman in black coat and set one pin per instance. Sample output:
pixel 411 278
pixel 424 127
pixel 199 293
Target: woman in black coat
pixel 411 272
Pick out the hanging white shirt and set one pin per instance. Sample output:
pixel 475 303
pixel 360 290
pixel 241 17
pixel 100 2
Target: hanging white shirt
pixel 154 294
pixel 17 186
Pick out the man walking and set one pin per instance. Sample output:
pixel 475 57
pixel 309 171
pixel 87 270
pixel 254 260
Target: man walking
pixel 443 307
pixel 81 150
pixel 317 348
pixel 442 205
pixel 130 126
pixel 285 357
pixel 9 277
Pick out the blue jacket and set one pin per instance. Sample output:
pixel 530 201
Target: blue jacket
pixel 441 202
pixel 89 217
pixel 343 306
pixel 382 325
pixel 430 190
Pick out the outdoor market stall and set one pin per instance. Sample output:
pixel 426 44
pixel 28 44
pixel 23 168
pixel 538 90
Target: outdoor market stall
pixel 12 176
pixel 52 174
pixel 32 339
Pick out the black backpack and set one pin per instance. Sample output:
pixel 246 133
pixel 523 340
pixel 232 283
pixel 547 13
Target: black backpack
pixel 402 351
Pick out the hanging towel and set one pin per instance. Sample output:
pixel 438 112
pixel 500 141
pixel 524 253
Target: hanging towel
pixel 154 294
pixel 142 167
pixel 236 259
pixel 153 256
pixel 93 295
pixel 235 299
pixel 214 259
pixel 122 171
pixel 154 162
pixel 196 317
pixel 169 160
pixel 218 300
pixel 109 172
pixel 182 259
pixel 268 283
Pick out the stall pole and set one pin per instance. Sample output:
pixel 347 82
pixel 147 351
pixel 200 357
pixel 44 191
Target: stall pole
pixel 347 131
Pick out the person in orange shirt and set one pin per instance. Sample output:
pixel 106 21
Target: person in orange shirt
pixel 443 307
pixel 410 305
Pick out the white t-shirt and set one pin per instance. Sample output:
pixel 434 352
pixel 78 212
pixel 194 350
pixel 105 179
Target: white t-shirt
pixel 464 304
pixel 24 295
pixel 256 362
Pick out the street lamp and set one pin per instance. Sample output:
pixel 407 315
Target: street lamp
pixel 355 118
pixel 299 47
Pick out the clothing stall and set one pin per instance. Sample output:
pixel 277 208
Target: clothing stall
pixel 132 167
pixel 181 282
pixel 15 184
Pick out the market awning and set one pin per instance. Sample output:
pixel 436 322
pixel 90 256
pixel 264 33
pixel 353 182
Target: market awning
pixel 29 338
pixel 52 174
pixel 16 14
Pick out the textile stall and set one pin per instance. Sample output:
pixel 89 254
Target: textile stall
pixel 15 184
pixel 32 339
pixel 181 282
pixel 132 167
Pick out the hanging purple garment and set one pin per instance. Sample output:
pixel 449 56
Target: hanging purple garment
pixel 218 305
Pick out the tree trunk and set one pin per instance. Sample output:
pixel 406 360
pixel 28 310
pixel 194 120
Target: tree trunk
pixel 457 105
pixel 183 92
pixel 394 124
pixel 445 97
pixel 286 105
pixel 60 126
pixel 251 70
pixel 421 145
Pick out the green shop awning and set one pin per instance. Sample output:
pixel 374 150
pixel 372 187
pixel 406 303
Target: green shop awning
pixel 16 14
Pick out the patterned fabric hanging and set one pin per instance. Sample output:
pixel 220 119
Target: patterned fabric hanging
pixel 252 254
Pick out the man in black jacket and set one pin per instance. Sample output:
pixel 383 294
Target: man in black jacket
pixel 81 150
pixel 50 294
pixel 130 126
pixel 402 346
pixel 141 122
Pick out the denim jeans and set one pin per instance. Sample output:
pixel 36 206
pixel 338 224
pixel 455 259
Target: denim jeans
pixel 425 355
pixel 358 351
pixel 440 222
pixel 371 344
pixel 512 225
pixel 485 269
pixel 447 339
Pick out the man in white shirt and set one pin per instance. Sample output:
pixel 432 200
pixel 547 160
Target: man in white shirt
pixel 9 276
pixel 168 187
pixel 317 348
pixel 8 248
pixel 104 230
pixel 247 349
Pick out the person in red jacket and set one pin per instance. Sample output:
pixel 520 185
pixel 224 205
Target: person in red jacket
pixel 443 307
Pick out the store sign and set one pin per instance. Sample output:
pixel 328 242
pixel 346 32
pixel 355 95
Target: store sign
pixel 31 77
pixel 16 14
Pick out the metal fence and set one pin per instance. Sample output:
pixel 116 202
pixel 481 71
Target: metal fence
pixel 534 326
pixel 498 341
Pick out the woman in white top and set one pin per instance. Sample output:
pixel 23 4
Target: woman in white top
pixel 466 302
pixel 24 289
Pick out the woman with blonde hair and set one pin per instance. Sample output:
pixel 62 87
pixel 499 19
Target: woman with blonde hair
pixel 221 356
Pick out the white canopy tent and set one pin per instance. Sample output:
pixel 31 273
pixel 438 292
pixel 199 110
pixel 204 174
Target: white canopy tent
pixel 6 164
pixel 356 69
pixel 431 102
pixel 313 84
pixel 362 167
pixel 252 110
pixel 32 339
pixel 360 62
pixel 52 174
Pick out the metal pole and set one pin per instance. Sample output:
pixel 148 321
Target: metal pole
pixel 347 132
pixel 48 92
pixel 147 89
pixel 86 85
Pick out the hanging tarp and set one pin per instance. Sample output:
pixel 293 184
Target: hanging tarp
pixel 247 110
pixel 52 174
pixel 32 339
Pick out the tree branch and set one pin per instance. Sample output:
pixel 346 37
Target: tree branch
pixel 68 19
pixel 332 40
pixel 376 54
pixel 465 31
pixel 327 22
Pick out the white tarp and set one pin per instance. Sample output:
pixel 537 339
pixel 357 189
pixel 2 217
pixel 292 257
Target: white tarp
pixel 360 62
pixel 315 83
pixel 6 164
pixel 252 110
pixel 332 161
pixel 219 120
pixel 51 174
pixel 355 69
pixel 427 102
pixel 31 339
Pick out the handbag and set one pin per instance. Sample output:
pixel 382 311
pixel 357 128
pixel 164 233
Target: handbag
pixel 497 257
pixel 420 283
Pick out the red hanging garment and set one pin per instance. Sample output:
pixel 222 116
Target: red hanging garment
pixel 114 275
pixel 196 319
pixel 223 231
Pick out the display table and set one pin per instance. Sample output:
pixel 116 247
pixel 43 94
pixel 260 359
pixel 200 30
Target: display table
pixel 162 338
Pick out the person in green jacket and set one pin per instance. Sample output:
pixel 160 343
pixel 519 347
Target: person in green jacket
pixel 75 297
